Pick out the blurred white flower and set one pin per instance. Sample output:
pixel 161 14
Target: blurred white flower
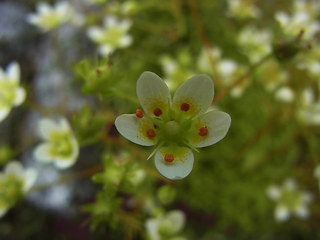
pixel 316 173
pixel 271 75
pixel 289 200
pixel 166 226
pixel 60 146
pixel 312 7
pixel 175 73
pixel 228 70
pixel 299 21
pixel 111 36
pixel 242 9
pixel 15 182
pixel 255 43
pixel 309 109
pixel 48 18
pixel 285 94
pixel 11 94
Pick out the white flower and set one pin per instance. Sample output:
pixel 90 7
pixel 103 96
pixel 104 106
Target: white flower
pixel 48 18
pixel 175 126
pixel 290 200
pixel 242 9
pixel 15 181
pixel 255 43
pixel 285 94
pixel 301 20
pixel 112 35
pixel 11 94
pixel 309 109
pixel 204 63
pixel 60 146
pixel 166 226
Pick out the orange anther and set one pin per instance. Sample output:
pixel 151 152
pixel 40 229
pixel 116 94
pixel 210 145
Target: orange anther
pixel 203 131
pixel 151 133
pixel 139 113
pixel 169 157
pixel 185 107
pixel 157 112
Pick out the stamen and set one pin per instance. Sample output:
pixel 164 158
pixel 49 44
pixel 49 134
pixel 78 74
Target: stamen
pixel 151 133
pixel 157 112
pixel 139 113
pixel 169 157
pixel 185 107
pixel 203 131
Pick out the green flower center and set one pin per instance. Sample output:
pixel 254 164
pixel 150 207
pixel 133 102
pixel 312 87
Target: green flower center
pixel 11 190
pixel 61 145
pixel 171 129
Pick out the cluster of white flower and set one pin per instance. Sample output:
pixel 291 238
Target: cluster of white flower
pixel 11 94
pixel 289 200
pixel 304 18
pixel 242 9
pixel 309 109
pixel 48 18
pixel 174 72
pixel 227 70
pixel 255 43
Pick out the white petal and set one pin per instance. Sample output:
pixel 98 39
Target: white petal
pixel 197 91
pixel 302 212
pixel 282 18
pixel 281 213
pixel 30 179
pixel 43 8
pixel 13 72
pixel 3 211
pixel 217 123
pixel 125 41
pixel 42 153
pixel 20 96
pixel 63 163
pixel 110 21
pixel 105 49
pixel 4 113
pixel 152 229
pixel 95 33
pixel 63 124
pixel 181 165
pixel 178 220
pixel 135 129
pixel 285 94
pixel 273 192
pixel 47 127
pixel 15 168
pixel 153 93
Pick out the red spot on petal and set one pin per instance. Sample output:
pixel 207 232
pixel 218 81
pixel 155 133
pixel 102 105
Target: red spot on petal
pixel 157 112
pixel 155 126
pixel 151 133
pixel 203 131
pixel 139 113
pixel 185 107
pixel 169 157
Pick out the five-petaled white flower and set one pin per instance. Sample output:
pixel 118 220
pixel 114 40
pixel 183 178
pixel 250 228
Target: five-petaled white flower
pixel 60 146
pixel 290 200
pixel 176 126
pixel 166 226
pixel 49 18
pixel 113 35
pixel 11 94
pixel 15 181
